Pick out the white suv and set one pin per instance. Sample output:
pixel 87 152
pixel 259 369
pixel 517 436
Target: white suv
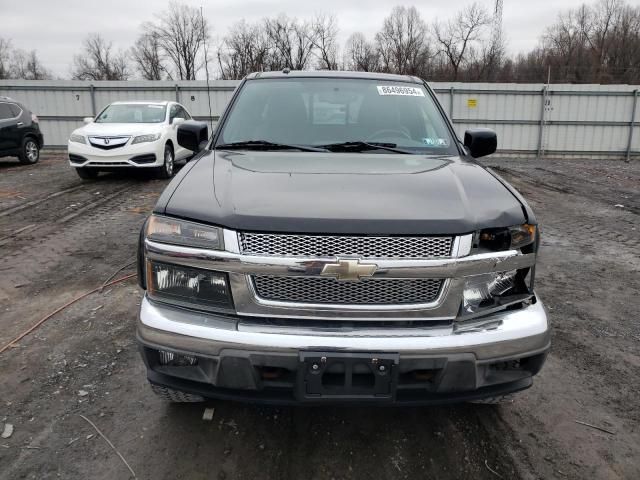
pixel 129 134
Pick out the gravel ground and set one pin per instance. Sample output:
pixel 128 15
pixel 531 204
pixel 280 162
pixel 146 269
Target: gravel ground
pixel 60 237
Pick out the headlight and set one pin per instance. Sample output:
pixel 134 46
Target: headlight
pixel 74 137
pixel 180 232
pixel 480 291
pixel 145 138
pixel 497 239
pixel 188 286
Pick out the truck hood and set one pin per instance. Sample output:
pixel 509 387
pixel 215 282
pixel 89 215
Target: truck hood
pixel 349 193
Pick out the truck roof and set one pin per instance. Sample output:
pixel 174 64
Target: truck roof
pixel 334 74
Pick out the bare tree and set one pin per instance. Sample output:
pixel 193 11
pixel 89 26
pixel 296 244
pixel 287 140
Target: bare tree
pixel 403 43
pixel 360 54
pixel 98 62
pixel 605 16
pixel 595 43
pixel 27 66
pixel 149 58
pixel 181 32
pixel 325 40
pixel 291 43
pixel 244 50
pixel 495 53
pixel 5 56
pixel 455 37
pixel 277 43
pixel 623 60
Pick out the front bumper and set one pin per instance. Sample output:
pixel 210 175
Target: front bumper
pixel 87 156
pixel 237 359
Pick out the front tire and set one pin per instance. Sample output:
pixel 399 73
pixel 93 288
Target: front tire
pixel 87 173
pixel 168 167
pixel 29 151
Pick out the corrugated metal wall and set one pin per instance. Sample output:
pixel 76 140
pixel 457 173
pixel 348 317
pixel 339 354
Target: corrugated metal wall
pixel 578 120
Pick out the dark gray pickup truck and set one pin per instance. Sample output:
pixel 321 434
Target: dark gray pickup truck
pixel 336 242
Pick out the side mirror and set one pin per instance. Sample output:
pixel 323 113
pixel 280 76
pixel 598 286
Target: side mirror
pixel 480 141
pixel 87 120
pixel 193 135
pixel 177 121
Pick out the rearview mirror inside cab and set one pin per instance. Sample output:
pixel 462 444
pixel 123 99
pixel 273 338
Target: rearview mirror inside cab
pixel 193 135
pixel 480 141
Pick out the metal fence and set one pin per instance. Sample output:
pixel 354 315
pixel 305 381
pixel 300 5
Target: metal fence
pixel 597 121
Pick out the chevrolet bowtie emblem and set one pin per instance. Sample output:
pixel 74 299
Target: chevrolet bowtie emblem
pixel 348 270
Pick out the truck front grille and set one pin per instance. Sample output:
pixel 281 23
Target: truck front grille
pixel 293 245
pixel 315 290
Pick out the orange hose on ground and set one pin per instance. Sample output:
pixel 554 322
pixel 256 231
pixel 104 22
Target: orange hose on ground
pixel 71 302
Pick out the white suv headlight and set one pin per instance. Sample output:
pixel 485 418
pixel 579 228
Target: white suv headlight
pixel 74 137
pixel 152 137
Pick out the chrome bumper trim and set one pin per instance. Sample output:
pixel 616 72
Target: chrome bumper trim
pixel 232 262
pixel 247 303
pixel 508 333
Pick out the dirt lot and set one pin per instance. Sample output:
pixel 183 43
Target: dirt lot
pixel 60 237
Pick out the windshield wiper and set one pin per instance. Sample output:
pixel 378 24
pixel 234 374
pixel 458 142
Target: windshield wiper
pixel 360 146
pixel 265 145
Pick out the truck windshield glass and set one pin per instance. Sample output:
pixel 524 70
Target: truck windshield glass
pixel 325 112
pixel 132 113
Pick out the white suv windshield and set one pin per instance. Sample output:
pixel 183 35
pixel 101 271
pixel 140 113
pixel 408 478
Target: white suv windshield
pixel 133 113
pixel 317 112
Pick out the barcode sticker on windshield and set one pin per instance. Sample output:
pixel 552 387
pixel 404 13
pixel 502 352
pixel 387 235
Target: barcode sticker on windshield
pixel 396 90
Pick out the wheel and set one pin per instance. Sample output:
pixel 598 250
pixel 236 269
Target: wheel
pixel 168 167
pixel 497 400
pixel 175 396
pixel 87 173
pixel 29 151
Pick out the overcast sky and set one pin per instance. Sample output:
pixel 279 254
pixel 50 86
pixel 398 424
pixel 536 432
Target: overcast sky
pixel 56 28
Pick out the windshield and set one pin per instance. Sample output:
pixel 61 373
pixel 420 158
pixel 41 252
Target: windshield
pixel 132 113
pixel 319 112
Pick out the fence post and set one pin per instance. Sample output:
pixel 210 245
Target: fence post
pixel 177 93
pixel 451 89
pixel 92 91
pixel 633 124
pixel 541 129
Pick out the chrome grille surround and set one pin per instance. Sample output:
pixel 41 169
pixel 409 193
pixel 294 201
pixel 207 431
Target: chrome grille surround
pixel 240 269
pixel 294 245
pixel 317 290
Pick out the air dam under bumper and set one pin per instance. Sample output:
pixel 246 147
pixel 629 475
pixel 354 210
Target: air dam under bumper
pixel 497 355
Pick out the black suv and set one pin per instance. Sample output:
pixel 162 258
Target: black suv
pixel 20 133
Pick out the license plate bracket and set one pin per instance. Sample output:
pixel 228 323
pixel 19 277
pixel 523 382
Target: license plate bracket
pixel 346 376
